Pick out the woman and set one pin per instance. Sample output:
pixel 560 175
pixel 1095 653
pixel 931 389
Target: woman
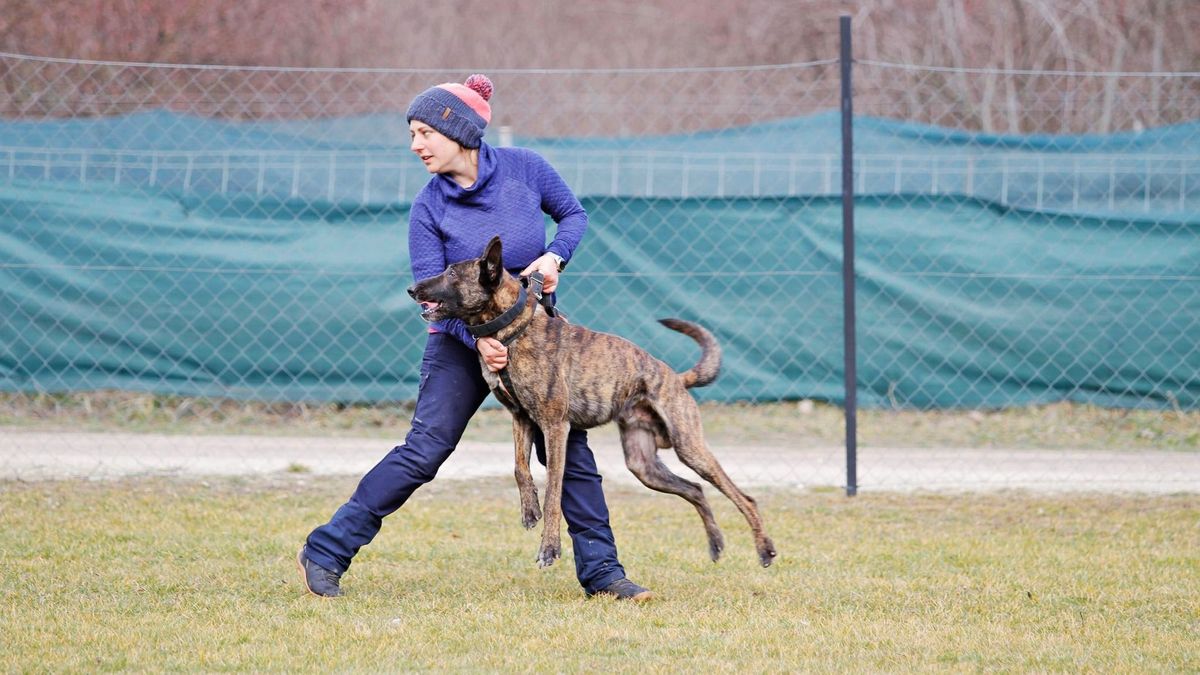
pixel 477 191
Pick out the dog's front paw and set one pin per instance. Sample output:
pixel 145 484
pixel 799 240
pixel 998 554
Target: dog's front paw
pixel 548 554
pixel 530 516
pixel 531 513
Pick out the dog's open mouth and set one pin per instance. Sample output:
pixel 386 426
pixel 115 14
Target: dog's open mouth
pixel 429 310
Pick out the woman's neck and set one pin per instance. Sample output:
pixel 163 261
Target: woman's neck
pixel 465 171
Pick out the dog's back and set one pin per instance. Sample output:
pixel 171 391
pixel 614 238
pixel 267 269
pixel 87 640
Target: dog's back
pixel 601 373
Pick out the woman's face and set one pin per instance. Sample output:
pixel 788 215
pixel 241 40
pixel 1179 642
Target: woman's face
pixel 439 153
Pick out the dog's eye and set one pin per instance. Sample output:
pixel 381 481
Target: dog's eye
pixel 452 273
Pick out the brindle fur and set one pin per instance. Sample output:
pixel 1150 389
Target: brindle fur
pixel 565 375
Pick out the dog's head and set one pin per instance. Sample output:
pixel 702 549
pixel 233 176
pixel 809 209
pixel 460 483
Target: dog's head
pixel 465 290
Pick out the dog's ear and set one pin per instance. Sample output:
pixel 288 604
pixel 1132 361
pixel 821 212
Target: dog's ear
pixel 491 265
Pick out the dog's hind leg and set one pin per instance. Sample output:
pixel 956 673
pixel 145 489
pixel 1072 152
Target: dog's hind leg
pixel 556 463
pixel 641 456
pixel 523 445
pixel 687 437
pixel 697 457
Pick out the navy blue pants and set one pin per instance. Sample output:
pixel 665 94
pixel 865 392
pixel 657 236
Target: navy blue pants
pixel 451 390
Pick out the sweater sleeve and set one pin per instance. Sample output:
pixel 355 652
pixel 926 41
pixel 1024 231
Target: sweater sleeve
pixel 426 250
pixel 561 204
pixel 427 255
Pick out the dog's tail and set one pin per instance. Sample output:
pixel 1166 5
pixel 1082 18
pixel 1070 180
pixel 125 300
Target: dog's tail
pixel 709 365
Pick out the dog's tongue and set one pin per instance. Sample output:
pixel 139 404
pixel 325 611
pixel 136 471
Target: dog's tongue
pixel 429 306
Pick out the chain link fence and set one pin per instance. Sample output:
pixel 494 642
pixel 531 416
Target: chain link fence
pixel 204 267
pixel 1048 247
pixel 1081 272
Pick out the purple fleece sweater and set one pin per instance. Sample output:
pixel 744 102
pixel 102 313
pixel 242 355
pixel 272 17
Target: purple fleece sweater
pixel 449 224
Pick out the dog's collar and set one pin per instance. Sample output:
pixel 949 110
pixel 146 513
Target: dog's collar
pixel 501 322
pixel 535 281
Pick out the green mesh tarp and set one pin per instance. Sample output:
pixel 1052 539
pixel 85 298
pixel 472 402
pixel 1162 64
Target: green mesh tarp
pixel 268 261
pixel 102 289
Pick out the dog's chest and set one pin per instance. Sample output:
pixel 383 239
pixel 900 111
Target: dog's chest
pixel 492 379
pixel 523 384
pixel 495 383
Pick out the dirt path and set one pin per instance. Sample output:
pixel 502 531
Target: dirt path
pixel 39 455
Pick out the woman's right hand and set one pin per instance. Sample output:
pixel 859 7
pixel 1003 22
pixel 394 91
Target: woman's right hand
pixel 494 353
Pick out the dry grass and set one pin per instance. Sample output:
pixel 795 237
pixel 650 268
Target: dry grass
pixel 163 575
pixel 1062 425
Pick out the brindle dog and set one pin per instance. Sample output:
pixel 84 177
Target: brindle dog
pixel 562 375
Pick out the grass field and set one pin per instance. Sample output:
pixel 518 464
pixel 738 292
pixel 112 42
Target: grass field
pixel 154 574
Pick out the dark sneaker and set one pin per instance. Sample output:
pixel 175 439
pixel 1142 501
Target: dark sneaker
pixel 317 579
pixel 624 589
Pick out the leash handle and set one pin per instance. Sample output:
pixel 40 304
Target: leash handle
pixel 536 281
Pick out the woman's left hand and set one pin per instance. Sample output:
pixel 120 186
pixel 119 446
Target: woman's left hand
pixel 548 266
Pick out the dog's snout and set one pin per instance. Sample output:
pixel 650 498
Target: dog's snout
pixel 412 292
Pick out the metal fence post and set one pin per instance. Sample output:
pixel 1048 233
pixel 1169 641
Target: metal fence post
pixel 848 318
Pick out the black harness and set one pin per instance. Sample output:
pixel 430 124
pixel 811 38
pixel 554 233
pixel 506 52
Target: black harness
pixel 535 281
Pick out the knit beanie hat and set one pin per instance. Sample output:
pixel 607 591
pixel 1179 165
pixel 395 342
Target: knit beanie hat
pixel 457 111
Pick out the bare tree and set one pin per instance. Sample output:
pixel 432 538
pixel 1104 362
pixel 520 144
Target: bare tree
pixel 969 40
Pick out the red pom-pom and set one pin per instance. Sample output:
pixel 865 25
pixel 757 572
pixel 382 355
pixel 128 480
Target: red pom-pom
pixel 481 85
